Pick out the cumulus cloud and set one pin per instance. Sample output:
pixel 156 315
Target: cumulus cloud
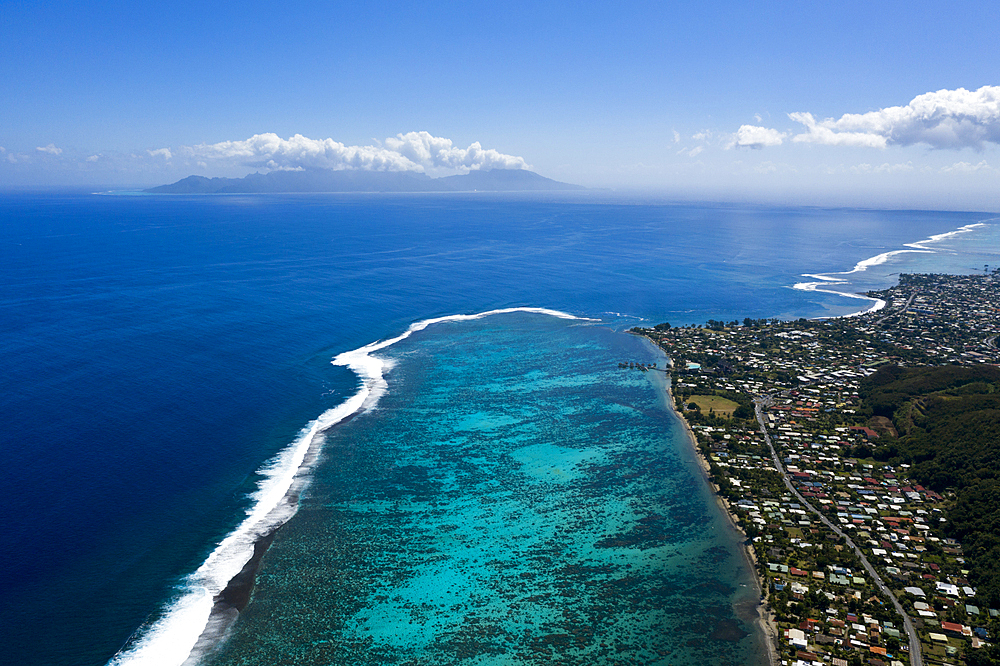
pixel 822 132
pixel 163 152
pixel 882 168
pixel 51 149
pixel 944 119
pixel 771 167
pixel 966 167
pixel 753 136
pixel 427 150
pixel 414 151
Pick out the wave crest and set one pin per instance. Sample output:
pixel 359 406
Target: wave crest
pixel 192 624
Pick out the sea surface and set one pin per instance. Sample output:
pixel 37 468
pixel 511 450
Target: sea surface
pixel 177 370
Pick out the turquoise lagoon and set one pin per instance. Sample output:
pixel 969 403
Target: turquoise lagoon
pixel 514 498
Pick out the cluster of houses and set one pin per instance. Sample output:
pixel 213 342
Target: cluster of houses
pixel 950 318
pixel 827 608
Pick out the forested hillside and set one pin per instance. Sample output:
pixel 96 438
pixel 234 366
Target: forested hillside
pixel 948 420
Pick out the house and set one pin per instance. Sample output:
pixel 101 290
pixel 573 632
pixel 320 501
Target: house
pixel 957 630
pixel 797 638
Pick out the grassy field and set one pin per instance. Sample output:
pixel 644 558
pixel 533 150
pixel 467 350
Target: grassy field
pixel 721 406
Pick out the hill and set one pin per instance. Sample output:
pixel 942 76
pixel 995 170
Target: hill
pixel 948 420
pixel 325 180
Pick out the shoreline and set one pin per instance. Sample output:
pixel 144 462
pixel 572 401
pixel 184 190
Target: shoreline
pixel 822 280
pixel 762 618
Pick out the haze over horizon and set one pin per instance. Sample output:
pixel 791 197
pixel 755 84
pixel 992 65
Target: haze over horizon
pixel 890 105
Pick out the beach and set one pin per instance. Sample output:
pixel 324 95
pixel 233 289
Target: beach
pixel 758 611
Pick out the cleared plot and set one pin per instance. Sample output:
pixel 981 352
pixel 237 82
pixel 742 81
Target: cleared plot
pixel 721 406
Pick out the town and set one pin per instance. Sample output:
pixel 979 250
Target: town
pixel 854 555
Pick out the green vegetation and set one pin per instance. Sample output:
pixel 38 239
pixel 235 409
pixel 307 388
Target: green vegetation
pixel 948 419
pixel 888 426
pixel 713 403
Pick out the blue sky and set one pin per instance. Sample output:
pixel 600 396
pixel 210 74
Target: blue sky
pixel 646 95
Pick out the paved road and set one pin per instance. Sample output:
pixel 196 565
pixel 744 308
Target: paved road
pixel 906 307
pixel 915 657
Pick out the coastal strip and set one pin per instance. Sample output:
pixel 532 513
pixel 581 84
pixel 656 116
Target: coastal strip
pixel 824 282
pixel 762 618
pixel 848 536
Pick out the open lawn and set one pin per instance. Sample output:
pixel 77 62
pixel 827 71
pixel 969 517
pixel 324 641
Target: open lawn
pixel 722 406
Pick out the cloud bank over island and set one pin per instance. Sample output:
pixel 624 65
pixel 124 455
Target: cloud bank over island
pixel 945 119
pixel 413 151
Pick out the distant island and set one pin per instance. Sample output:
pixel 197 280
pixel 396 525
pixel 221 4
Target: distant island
pixel 327 180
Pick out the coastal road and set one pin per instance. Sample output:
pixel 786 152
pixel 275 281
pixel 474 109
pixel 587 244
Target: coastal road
pixel 915 657
pixel 906 307
pixel 991 342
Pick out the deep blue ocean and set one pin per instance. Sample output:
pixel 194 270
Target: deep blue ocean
pixel 159 351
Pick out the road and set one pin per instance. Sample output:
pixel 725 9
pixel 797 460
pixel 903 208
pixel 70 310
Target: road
pixel 915 657
pixel 906 307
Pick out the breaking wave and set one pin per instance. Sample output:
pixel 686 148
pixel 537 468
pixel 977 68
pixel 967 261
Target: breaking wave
pixel 188 627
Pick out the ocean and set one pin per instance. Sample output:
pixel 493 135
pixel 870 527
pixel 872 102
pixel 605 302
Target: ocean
pixel 177 369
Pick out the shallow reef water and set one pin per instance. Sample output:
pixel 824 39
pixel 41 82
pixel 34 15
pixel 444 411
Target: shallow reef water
pixel 515 498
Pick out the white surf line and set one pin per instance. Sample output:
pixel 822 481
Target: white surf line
pixel 173 639
pixel 828 279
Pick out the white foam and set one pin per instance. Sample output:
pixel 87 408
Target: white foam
pixel 829 279
pixel 950 234
pixel 172 639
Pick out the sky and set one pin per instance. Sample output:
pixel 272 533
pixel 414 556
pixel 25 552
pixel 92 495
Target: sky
pixel 854 103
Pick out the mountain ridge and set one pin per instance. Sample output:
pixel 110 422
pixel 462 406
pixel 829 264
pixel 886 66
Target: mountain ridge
pixel 326 180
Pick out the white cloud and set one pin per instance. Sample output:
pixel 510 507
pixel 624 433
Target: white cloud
pixel 50 149
pixel 164 152
pixel 427 150
pixel 752 136
pixel 882 168
pixel 819 132
pixel 966 167
pixel 677 136
pixel 702 136
pixel 93 158
pixel 4 150
pixel 771 167
pixel 694 152
pixel 274 166
pixel 414 151
pixel 944 119
pixel 758 117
